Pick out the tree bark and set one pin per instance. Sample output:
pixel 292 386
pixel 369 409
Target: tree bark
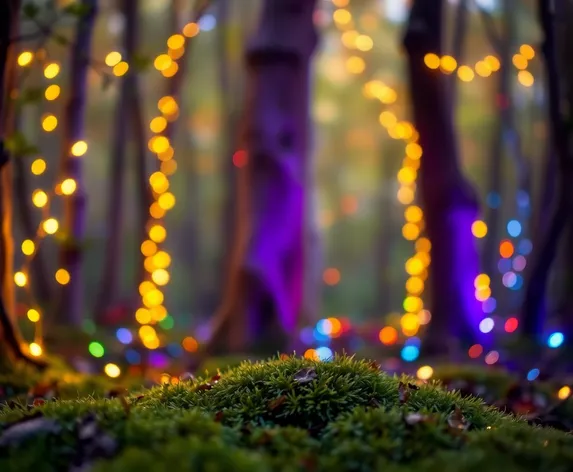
pixel 264 294
pixel 10 338
pixel 449 201
pixel 71 257
pixel 534 305
pixel 112 259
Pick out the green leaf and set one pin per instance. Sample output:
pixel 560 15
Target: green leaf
pixel 18 145
pixel 30 10
pixel 77 9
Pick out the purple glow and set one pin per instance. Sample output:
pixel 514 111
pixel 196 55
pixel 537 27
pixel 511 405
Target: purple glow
pixel 158 359
pixel 519 263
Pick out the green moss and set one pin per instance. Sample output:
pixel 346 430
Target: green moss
pixel 342 415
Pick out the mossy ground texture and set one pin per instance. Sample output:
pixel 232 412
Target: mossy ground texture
pixel 280 415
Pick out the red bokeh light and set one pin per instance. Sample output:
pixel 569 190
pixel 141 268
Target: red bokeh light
pixel 511 324
pixel 475 351
pixel 240 158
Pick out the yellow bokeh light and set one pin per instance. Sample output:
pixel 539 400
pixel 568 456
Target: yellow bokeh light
pixel 479 229
pixel 155 211
pixel 342 16
pixel 112 58
pixel 519 61
pixel 35 349
pixel 387 119
pixel 162 260
pixel 79 148
pixel 364 43
pixel 62 276
pixel 25 58
pixel 527 51
pixel 167 105
pixel 405 195
pixel 190 30
pixel 410 231
pixel 413 304
pixel 51 70
pixel 160 144
pixel 425 372
pixel 143 316
pixel 482 281
pixel 153 298
pixel 432 61
pixel 112 370
pixel 564 392
pixel 160 277
pixel 414 151
pixel 176 54
pixel 148 248
pixel 159 182
pixel 162 62
pixel 176 41
pixel 448 64
pixel 49 122
pixel 166 201
pixel 466 73
pixel 349 37
pixel 120 69
pixel 39 198
pixel 414 266
pixel 146 286
pixel 340 3
pixel 38 167
pixel 68 186
pixel 355 65
pixel 158 124
pixel 482 69
pixel 52 92
pixel 158 313
pixel 151 343
pixel 33 315
pixel 410 322
pixel 483 293
pixel 423 245
pixel 20 279
pixel 415 285
pixel 168 167
pixel 413 214
pixel 50 226
pixel 171 70
pixel 28 247
pixel 493 63
pixel 525 78
pixel 407 175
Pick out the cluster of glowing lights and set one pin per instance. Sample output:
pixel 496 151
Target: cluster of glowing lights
pixel 417 266
pixel 484 67
pixel 41 199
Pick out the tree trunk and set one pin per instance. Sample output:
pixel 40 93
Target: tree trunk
pixel 10 339
pixel 264 295
pixel 534 305
pixel 449 201
pixel 114 237
pixel 72 299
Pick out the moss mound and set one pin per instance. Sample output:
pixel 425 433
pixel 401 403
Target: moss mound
pixel 280 415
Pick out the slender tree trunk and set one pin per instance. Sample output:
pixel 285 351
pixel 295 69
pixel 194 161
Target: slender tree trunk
pixel 72 299
pixel 534 305
pixel 264 293
pixel 38 276
pixel 10 338
pixel 112 258
pixel 449 202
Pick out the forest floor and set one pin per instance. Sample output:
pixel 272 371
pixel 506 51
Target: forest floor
pixel 288 414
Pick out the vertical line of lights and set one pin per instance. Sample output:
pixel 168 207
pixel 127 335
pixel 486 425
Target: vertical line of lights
pixel 157 260
pixel 417 266
pixel 41 199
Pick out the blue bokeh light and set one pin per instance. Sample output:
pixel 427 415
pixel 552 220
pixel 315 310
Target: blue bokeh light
pixel 489 305
pixel 555 340
pixel 207 23
pixel 132 356
pixel 532 374
pixel 324 353
pixel 514 228
pixel 410 353
pixel 124 335
pixel 525 247
pixel 493 200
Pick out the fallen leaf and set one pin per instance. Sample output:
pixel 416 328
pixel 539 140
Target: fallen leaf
pixel 457 421
pixel 215 378
pixel 205 386
pixel 403 392
pixel 374 366
pixel 115 392
pixel 274 404
pixel 28 427
pixel 187 377
pixel 306 375
pixel 219 416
